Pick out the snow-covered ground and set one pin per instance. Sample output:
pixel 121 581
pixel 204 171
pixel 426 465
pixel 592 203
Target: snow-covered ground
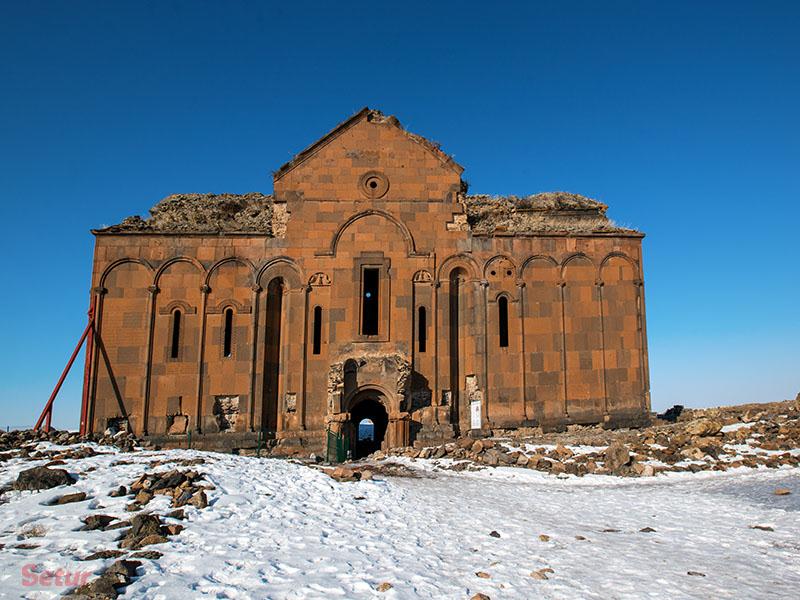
pixel 276 529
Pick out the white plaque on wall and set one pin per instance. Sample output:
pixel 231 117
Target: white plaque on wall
pixel 475 413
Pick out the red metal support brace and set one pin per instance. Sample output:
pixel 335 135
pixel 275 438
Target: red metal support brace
pixel 47 413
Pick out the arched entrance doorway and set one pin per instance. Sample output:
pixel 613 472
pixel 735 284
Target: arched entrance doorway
pixel 369 418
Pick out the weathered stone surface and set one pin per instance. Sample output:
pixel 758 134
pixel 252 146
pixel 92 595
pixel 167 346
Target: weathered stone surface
pixel 617 456
pixel 126 568
pixel 116 576
pixel 343 474
pixel 145 524
pixel 40 478
pixel 199 500
pixel 143 497
pixel 69 498
pixel 148 540
pixel 704 427
pixel 92 522
pixel 103 554
pixel 541 574
pixel 147 554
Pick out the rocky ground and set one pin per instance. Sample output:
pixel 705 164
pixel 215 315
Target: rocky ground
pixel 144 528
pixel 713 439
pixel 124 510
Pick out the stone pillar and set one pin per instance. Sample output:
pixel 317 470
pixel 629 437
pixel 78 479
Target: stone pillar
pixel 398 431
pixel 148 368
pixel 561 285
pixel 256 289
pixel 599 285
pixel 291 359
pixel 483 311
pixel 643 361
pixel 205 290
pixel 522 354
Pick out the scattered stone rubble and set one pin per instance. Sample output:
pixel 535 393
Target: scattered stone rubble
pixel 545 212
pixel 205 213
pixel 23 442
pixel 184 487
pixel 143 529
pixel 715 439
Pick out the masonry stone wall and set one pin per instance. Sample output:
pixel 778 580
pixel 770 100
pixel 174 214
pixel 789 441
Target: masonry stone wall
pixel 245 363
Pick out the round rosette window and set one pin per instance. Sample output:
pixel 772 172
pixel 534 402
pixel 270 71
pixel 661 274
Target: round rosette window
pixel 373 184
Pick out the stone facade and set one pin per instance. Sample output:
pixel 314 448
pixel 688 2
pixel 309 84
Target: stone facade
pixel 369 285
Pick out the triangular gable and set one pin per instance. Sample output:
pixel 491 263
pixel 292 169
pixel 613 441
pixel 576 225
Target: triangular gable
pixel 370 115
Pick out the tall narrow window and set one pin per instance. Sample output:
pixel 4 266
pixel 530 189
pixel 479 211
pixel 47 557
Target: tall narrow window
pixel 272 354
pixel 317 341
pixel 502 313
pixel 176 334
pixel 422 325
pixel 370 286
pixel 227 341
pixel 457 303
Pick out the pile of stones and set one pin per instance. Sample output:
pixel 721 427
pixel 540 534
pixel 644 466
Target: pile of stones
pixel 762 435
pixel 118 575
pixel 21 442
pixel 182 486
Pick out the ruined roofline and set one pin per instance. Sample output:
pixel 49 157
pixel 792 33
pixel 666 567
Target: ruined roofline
pixel 251 213
pixel 256 214
pixel 540 214
pixel 371 115
pixel 544 201
pixel 626 233
pixel 109 231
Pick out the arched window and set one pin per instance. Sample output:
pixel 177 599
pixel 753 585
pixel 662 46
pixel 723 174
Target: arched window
pixel 176 334
pixel 422 329
pixel 502 314
pixel 317 341
pixel 227 341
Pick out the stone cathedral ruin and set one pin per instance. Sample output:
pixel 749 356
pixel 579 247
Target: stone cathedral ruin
pixel 369 286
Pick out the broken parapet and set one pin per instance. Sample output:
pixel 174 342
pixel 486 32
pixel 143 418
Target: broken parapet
pixel 259 213
pixel 545 212
pixel 207 213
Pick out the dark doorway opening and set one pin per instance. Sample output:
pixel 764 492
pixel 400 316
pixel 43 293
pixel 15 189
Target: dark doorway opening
pixel 370 420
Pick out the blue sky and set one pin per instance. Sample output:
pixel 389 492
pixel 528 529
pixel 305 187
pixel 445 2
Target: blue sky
pixel 682 116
